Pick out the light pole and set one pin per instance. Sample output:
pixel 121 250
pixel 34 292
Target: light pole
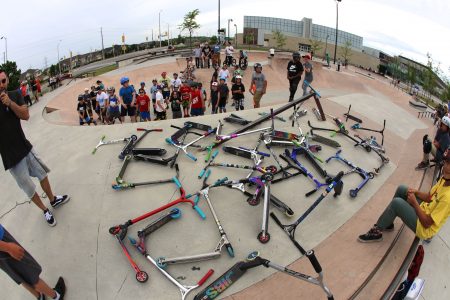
pixel 6 47
pixel 235 36
pixel 337 18
pixel 218 24
pixel 59 64
pixel 228 33
pixel 159 19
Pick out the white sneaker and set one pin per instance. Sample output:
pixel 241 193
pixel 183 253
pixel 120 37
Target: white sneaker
pixel 49 218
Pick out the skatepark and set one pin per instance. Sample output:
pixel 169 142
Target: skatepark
pixel 90 259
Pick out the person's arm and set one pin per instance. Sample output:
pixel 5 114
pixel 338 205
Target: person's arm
pixel 264 87
pixel 424 219
pixel 12 249
pixel 21 111
pixel 133 101
pixel 424 196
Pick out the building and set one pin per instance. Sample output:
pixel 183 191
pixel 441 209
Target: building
pixel 305 36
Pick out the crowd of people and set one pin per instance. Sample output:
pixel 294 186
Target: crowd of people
pixel 31 88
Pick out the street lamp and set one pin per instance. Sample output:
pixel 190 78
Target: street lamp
pixel 218 24
pixel 229 20
pixel 159 19
pixel 235 36
pixel 59 64
pixel 337 18
pixel 6 47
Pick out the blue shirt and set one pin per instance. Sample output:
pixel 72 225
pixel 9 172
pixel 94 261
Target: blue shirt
pixel 216 49
pixel 127 94
pixel 2 232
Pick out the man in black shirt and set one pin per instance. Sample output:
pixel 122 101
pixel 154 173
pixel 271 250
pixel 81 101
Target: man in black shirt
pixel 237 91
pixel 294 74
pixel 17 153
pixel 82 110
pixel 206 53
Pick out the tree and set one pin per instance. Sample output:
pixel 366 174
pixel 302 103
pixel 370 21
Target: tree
pixel 412 76
pixel 213 40
pixel 13 73
pixel 347 52
pixel 280 38
pixel 315 46
pixel 190 23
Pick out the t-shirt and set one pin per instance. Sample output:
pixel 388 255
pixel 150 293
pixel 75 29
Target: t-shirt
pixel 165 84
pixel 224 74
pixel 229 50
pixel 185 92
pixel 127 94
pixel 175 83
pixel 173 103
pixel 295 68
pixel 216 49
pixel 113 103
pixel 443 139
pixel 153 90
pixel 160 100
pixel 196 99
pixel 438 209
pixel 197 52
pixel 259 79
pixel 238 87
pixel 143 102
pixel 81 108
pixel 206 50
pixel 223 90
pixel 308 75
pixel 87 100
pixel 2 232
pixel 101 99
pixel 13 144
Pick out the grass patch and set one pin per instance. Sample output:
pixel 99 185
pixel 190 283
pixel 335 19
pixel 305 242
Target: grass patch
pixel 104 70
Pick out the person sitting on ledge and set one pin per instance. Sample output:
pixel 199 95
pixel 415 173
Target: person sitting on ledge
pixel 424 213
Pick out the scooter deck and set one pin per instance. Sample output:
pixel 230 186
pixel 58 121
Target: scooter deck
pixel 198 126
pixel 239 121
pixel 324 140
pixel 149 151
pixel 238 152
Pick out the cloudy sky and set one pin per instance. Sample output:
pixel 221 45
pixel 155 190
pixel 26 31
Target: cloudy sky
pixel 33 29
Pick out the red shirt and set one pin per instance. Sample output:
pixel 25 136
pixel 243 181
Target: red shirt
pixel 196 99
pixel 143 102
pixel 185 91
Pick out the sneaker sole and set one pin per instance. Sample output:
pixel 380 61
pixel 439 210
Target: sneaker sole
pixel 53 224
pixel 64 202
pixel 370 241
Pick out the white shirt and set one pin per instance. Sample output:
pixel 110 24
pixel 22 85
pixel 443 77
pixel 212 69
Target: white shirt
pixel 229 50
pixel 224 73
pixel 101 99
pixel 175 83
pixel 159 100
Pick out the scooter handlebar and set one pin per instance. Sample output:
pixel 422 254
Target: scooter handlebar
pixel 200 212
pixel 149 130
pixel 313 259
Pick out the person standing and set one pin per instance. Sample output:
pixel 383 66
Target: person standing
pixel 102 104
pixel 34 89
pixel 153 90
pixel 237 91
pixel 185 92
pixel 127 96
pixel 339 65
pixel 175 83
pixel 224 93
pixel 229 50
pixel 25 93
pixel 206 52
pixel 308 73
pixel 160 105
pixel 294 74
pixel 113 107
pixel 224 72
pixel 87 100
pixel 82 111
pixel 21 267
pixel 175 105
pixel 328 60
pixel 260 83
pixel 197 104
pixel 143 102
pixel 214 98
pixel 198 57
pixel 18 154
pixel 164 83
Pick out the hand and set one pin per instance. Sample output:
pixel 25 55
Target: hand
pixel 5 99
pixel 16 251
pixel 412 191
pixel 411 199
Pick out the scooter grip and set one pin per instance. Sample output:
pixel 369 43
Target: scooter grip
pixel 205 277
pixel 313 259
pixel 202 172
pixel 191 156
pixel 220 181
pixel 338 177
pixel 169 141
pixel 197 198
pixel 215 153
pixel 200 212
pixel 177 182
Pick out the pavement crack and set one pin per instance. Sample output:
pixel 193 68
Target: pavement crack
pixel 15 206
pixel 448 247
pixel 123 282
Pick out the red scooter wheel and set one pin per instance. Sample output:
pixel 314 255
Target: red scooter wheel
pixel 141 276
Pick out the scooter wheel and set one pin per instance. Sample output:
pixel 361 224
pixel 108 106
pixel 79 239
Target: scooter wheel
pixel 271 169
pixel 141 276
pixel 263 238
pixel 114 230
pixel 253 202
pixel 134 137
pixel 160 264
pixel 368 148
pixel 353 193
pixel 175 213
pixel 252 256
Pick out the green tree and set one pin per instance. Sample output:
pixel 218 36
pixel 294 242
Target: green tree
pixel 190 23
pixel 280 38
pixel 213 40
pixel 316 46
pixel 347 52
pixel 13 73
pixel 412 76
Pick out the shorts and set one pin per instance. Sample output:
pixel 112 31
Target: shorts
pixel 88 121
pixel 29 166
pixel 114 114
pixel 176 114
pixel 197 112
pixel 257 98
pixel 129 111
pixel 185 104
pixel 222 103
pixel 26 270
pixel 166 94
pixel 144 115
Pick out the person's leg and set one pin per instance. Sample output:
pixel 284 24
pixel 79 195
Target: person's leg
pixel 304 87
pixel 293 84
pixel 35 293
pixel 398 208
pixel 42 287
pixel 45 184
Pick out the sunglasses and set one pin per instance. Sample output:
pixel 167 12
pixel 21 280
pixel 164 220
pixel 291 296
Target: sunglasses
pixel 3 80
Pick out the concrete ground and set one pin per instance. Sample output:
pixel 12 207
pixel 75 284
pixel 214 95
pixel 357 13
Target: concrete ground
pixel 81 249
